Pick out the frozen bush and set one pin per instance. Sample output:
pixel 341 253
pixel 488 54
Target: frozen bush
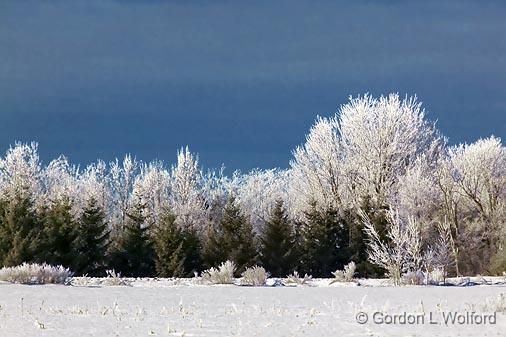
pixel 28 273
pixel 404 251
pixel 84 281
pixel 294 278
pixel 254 276
pixel 495 304
pixel 440 258
pixel 114 279
pixel 437 276
pixel 345 275
pixel 416 277
pixel 223 275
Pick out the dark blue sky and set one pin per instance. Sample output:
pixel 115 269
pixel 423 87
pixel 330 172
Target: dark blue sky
pixel 239 82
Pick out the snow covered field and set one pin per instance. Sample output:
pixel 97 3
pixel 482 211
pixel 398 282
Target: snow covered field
pixel 160 309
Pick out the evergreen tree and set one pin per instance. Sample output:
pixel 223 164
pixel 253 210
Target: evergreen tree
pixel 212 252
pixel 177 250
pixel 91 241
pixel 324 240
pixel 236 238
pixel 58 234
pixel 19 231
pixel 193 252
pixel 169 247
pixel 133 254
pixel 358 238
pixel 278 243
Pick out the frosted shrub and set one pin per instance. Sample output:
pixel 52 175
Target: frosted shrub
pixel 404 252
pixel 28 273
pixel 345 275
pixel 223 275
pixel 254 276
pixel 440 258
pixel 84 281
pixel 497 304
pixel 416 277
pixel 114 279
pixel 294 278
pixel 437 276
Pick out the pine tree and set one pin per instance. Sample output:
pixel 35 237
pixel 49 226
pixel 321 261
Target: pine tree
pixel 357 237
pixel 19 231
pixel 91 241
pixel 236 238
pixel 169 247
pixel 324 240
pixel 193 252
pixel 58 234
pixel 278 243
pixel 212 252
pixel 177 250
pixel 133 254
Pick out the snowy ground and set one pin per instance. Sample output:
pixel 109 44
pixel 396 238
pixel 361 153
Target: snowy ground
pixel 162 309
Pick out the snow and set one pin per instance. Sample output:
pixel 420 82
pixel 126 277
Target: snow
pixel 170 308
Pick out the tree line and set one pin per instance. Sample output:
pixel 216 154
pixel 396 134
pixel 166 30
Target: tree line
pixel 87 246
pixel 365 181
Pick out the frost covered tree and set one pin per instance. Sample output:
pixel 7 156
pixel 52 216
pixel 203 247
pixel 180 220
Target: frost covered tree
pixel 279 245
pixel 179 189
pixel 185 196
pixel 473 182
pixel 216 190
pixel 418 193
pixel 93 185
pixel 479 170
pixel 20 187
pixel 381 138
pixel 316 170
pixel 258 192
pixel 152 186
pixel 60 181
pixel 362 152
pixel 120 181
pixel 20 172
pixel 375 153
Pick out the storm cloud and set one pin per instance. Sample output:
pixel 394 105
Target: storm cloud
pixel 239 82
